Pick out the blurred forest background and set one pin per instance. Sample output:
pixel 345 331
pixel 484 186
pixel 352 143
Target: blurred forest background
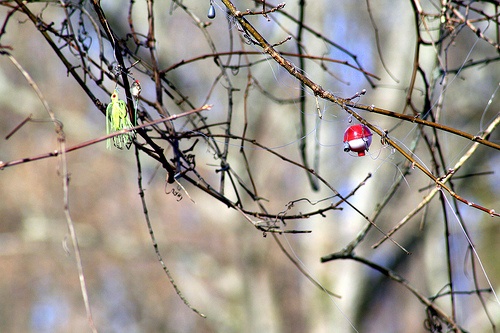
pixel 231 215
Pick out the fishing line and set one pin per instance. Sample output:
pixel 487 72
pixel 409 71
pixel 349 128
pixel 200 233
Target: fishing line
pixel 472 247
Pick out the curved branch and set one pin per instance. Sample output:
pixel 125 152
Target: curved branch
pixel 399 279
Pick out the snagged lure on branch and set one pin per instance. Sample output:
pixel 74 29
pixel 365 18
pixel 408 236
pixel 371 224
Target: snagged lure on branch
pixel 117 119
pixel 211 11
pixel 135 90
pixel 357 138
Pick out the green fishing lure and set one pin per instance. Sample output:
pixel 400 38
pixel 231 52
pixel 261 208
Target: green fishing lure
pixel 117 119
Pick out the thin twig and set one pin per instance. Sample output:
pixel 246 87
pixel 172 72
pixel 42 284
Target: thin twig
pixel 100 139
pixel 65 177
pixel 447 177
pixel 395 277
pixel 153 238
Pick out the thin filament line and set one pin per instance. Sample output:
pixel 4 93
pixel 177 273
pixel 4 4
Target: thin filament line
pixel 473 248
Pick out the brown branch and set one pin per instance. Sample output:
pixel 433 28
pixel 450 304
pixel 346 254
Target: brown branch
pixel 100 139
pixel 415 119
pixel 286 54
pixel 345 104
pixel 443 180
pixel 397 278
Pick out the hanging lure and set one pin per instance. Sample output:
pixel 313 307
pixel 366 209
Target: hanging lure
pixel 135 90
pixel 211 11
pixel 357 138
pixel 117 119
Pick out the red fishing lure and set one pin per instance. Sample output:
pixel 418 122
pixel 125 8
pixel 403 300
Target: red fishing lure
pixel 357 138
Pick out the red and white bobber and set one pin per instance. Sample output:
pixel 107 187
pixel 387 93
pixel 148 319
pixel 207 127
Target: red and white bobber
pixel 357 138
